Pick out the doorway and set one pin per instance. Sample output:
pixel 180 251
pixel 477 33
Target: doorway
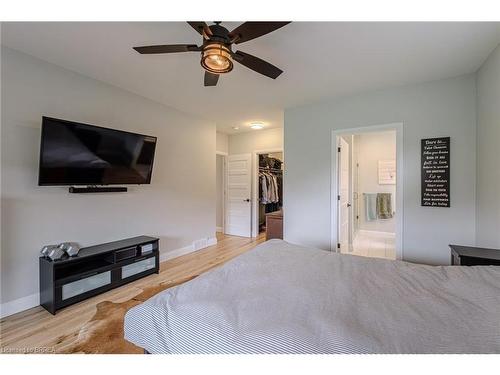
pixel 245 205
pixel 367 192
pixel 268 193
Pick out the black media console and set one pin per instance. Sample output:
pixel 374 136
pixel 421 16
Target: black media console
pixel 96 269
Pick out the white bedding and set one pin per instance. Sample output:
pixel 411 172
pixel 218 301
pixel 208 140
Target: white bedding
pixel 282 298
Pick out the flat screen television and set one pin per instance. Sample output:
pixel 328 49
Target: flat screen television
pixel 72 153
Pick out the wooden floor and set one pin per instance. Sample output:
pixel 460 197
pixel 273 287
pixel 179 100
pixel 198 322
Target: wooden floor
pixel 36 330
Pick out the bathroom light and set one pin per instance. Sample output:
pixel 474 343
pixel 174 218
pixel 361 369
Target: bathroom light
pixel 256 126
pixel 216 58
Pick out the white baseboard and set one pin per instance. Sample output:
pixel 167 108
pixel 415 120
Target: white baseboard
pixel 28 302
pixel 18 305
pixel 187 249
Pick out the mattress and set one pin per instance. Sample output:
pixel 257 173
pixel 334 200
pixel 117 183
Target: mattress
pixel 283 298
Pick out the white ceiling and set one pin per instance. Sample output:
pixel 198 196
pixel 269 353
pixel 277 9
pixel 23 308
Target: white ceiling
pixel 318 58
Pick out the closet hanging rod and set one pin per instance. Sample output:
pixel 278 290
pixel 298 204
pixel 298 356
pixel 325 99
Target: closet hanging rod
pixel 266 169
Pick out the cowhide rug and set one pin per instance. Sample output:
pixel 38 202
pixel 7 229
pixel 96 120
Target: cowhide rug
pixel 103 333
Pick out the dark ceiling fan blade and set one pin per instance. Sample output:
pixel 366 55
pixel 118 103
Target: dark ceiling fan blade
pixel 168 48
pixel 251 30
pixel 201 27
pixel 256 64
pixel 211 79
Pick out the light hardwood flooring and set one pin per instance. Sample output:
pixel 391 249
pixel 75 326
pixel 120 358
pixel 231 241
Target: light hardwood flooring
pixel 36 330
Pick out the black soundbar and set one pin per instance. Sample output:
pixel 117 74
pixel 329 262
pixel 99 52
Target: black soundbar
pixel 97 189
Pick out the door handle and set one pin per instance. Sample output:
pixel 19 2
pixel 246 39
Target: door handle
pixel 349 205
pixel 247 200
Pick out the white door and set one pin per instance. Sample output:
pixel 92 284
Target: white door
pixel 343 211
pixel 238 195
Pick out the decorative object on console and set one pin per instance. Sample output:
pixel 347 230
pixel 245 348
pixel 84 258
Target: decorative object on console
pixel 56 253
pixel 47 249
pixel 71 248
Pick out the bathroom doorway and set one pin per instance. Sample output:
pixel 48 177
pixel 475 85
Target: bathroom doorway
pixel 367 209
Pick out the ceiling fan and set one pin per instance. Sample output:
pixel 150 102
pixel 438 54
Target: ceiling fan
pixel 216 53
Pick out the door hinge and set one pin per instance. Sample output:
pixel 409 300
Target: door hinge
pixel 357 217
pixel 338 197
pixel 338 149
pixel 338 245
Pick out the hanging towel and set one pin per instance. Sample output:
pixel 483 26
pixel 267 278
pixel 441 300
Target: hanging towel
pixel 370 206
pixel 384 206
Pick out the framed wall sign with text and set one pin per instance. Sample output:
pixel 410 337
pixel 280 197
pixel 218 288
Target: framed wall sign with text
pixel 436 172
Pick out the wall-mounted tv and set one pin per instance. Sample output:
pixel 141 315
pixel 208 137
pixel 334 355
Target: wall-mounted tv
pixel 72 153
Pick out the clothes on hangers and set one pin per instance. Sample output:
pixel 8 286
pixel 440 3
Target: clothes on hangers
pixel 269 188
pixel 270 183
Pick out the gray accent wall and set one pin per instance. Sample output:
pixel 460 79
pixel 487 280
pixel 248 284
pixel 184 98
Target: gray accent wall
pixel 434 109
pixel 488 152
pixel 178 206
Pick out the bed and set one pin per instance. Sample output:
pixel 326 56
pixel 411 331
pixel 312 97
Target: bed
pixel 283 298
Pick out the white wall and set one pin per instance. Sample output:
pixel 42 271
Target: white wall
pixel 434 109
pixel 256 140
pixel 372 147
pixel 219 191
pixel 178 206
pixel 222 142
pixel 488 155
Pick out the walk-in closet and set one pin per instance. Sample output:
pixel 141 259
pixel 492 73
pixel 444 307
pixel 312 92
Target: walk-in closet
pixel 271 194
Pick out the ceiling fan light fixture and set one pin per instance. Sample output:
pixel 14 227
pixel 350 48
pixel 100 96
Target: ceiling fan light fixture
pixel 216 58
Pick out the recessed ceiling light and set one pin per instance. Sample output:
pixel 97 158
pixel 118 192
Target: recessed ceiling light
pixel 256 126
pixel 236 127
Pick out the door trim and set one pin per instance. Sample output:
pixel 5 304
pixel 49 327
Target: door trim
pixel 255 185
pixel 224 161
pixel 334 191
pixel 349 209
